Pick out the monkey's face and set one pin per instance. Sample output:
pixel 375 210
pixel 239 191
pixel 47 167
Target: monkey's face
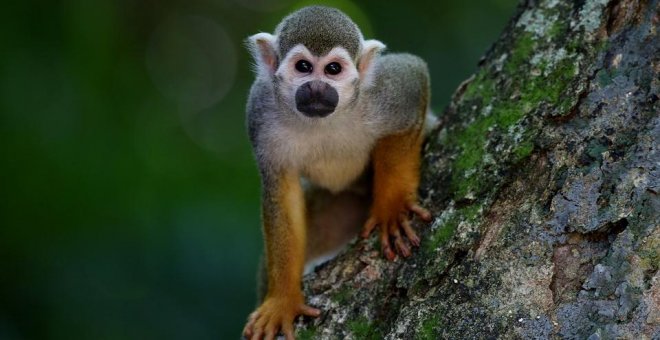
pixel 317 86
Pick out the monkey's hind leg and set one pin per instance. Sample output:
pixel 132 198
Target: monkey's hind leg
pixel 333 221
pixel 396 162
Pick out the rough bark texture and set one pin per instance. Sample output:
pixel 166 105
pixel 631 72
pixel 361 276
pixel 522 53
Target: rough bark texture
pixel 543 180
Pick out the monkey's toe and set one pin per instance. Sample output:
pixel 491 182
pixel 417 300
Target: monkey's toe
pixel 420 211
pixel 385 245
pixel 408 230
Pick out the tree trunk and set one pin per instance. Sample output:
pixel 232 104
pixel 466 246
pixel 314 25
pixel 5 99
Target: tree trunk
pixel 543 180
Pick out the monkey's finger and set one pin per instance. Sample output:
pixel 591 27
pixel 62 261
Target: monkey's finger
pixel 410 233
pixel 368 227
pixel 287 329
pixel 310 311
pixel 421 212
pixel 385 244
pixel 258 334
pixel 259 327
pixel 253 316
pixel 271 330
pixel 247 331
pixel 399 243
pixel 269 335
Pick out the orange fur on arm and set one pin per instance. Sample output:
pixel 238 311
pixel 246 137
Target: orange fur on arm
pixel 396 162
pixel 284 234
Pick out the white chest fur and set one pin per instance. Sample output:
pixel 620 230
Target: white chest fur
pixel 331 153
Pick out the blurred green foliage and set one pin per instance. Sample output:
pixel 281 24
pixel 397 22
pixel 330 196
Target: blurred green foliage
pixel 130 204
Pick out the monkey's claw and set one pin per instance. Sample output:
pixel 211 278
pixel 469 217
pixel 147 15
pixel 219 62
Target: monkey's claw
pixel 276 315
pixel 390 230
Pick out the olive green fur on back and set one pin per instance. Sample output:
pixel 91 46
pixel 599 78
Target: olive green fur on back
pixel 320 29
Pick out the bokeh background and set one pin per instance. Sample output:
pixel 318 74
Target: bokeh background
pixel 130 199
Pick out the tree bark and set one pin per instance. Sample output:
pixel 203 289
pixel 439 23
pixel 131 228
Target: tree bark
pixel 543 179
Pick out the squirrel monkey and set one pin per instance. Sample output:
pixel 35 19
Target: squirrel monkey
pixel 326 114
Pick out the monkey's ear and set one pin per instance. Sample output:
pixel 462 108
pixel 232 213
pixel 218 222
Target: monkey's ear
pixel 370 50
pixel 262 47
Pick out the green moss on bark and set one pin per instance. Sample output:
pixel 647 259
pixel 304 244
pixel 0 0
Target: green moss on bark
pixel 364 329
pixel 307 334
pixel 429 329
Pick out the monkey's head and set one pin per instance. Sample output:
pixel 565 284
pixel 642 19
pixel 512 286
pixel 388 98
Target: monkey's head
pixel 317 60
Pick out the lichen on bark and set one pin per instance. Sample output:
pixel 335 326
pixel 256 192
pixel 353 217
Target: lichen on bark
pixel 543 180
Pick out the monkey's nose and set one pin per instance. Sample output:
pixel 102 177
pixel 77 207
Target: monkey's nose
pixel 316 99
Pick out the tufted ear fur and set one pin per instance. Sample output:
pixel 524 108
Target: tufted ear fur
pixel 370 51
pixel 262 48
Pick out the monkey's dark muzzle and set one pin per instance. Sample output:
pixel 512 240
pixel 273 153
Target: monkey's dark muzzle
pixel 316 99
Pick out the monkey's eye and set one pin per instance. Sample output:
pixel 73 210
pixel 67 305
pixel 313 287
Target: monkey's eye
pixel 304 66
pixel 333 68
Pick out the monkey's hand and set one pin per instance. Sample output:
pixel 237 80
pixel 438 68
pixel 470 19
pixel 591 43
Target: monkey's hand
pixel 275 314
pixel 396 160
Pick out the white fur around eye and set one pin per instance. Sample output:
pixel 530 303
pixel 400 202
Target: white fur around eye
pixel 290 79
pixel 346 81
pixel 287 68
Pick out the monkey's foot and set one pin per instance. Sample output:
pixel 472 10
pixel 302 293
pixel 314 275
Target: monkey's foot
pixel 276 314
pixel 391 223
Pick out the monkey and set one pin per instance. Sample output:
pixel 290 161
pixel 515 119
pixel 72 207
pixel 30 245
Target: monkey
pixel 336 127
